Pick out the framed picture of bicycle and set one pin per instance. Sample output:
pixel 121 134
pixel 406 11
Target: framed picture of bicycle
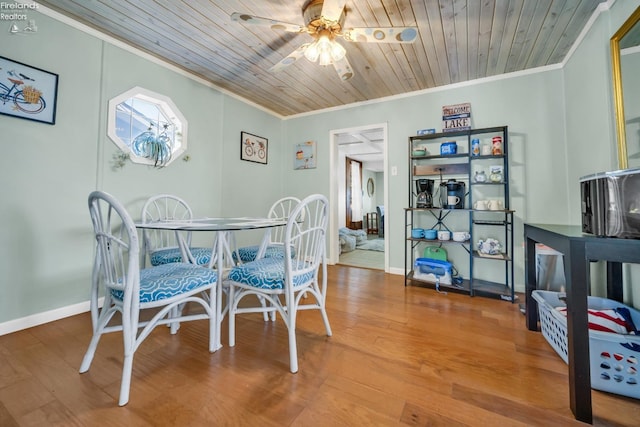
pixel 27 92
pixel 253 148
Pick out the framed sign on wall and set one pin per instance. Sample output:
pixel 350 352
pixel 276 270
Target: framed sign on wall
pixel 253 148
pixel 305 155
pixel 27 92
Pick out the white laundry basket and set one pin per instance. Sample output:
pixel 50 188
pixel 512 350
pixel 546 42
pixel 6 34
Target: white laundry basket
pixel 614 358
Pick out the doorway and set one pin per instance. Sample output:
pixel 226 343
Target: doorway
pixel 367 145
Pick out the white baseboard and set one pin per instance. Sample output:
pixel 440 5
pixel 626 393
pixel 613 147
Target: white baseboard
pixel 398 271
pixel 44 317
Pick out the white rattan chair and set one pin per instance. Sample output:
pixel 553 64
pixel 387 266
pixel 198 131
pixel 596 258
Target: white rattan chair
pixel 280 209
pixel 127 289
pixel 162 246
pixel 283 281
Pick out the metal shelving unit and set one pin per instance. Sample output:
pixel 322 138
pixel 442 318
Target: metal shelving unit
pixel 480 277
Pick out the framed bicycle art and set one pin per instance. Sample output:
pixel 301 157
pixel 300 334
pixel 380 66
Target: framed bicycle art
pixel 27 92
pixel 253 148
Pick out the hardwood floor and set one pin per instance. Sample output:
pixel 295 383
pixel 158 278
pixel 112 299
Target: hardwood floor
pixel 398 356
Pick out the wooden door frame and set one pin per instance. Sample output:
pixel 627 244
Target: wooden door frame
pixel 334 202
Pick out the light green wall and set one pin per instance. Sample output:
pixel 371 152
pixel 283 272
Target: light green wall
pixel 48 171
pixel 530 105
pixel 591 137
pixel 560 123
pixel 589 119
pixel 250 188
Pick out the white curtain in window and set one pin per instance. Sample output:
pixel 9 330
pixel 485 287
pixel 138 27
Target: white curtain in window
pixel 356 193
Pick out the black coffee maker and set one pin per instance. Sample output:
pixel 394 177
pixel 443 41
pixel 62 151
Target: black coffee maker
pixel 424 193
pixel 452 194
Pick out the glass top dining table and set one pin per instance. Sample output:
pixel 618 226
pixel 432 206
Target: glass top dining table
pixel 222 244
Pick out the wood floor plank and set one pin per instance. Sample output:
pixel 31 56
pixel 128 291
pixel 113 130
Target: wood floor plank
pixel 398 356
pixel 6 419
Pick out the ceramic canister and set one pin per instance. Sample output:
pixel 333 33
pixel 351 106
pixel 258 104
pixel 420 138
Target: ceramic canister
pixel 475 147
pixel 496 146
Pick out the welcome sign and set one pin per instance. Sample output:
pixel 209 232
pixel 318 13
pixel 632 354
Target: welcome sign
pixel 456 117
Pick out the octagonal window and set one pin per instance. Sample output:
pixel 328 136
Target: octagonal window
pixel 147 126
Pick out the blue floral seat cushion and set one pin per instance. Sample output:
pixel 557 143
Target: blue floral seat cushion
pixel 266 273
pixel 248 253
pixel 168 280
pixel 167 256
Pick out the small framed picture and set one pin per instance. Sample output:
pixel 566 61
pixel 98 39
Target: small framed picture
pixel 305 155
pixel 27 92
pixel 253 148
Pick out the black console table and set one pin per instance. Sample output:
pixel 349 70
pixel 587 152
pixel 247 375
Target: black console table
pixel 579 250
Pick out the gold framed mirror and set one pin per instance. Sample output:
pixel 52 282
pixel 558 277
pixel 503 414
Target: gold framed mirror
pixel 625 55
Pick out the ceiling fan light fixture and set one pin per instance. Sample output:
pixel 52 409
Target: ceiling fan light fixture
pixel 325 50
pixel 337 51
pixel 325 58
pixel 313 52
pixel 324 22
pixel 324 46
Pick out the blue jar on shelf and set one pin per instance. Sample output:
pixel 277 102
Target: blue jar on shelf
pixel 475 147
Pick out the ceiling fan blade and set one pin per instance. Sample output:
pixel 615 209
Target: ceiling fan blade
pixel 275 25
pixel 343 68
pixel 290 59
pixel 381 35
pixel 332 9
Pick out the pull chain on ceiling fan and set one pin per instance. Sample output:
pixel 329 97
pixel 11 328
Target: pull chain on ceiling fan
pixel 324 22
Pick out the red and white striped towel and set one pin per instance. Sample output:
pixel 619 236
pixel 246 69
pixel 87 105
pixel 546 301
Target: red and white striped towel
pixel 605 321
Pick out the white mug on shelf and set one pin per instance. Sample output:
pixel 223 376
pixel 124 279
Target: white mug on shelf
pixel 444 235
pixel 480 205
pixel 495 205
pixel 461 236
pixel 453 200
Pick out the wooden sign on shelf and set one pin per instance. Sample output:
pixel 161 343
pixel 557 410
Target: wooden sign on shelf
pixel 444 169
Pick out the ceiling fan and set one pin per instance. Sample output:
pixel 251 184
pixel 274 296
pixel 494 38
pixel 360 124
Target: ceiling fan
pixel 324 21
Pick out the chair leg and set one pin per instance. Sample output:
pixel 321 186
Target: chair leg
pixel 91 351
pixel 126 379
pixel 293 347
pixel 231 307
pixel 213 327
pixel 176 312
pixel 263 303
pixel 325 319
pixel 99 324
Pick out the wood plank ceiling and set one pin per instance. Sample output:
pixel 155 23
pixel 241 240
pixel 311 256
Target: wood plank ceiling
pixel 459 40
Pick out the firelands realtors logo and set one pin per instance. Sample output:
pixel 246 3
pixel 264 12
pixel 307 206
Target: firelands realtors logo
pixel 15 11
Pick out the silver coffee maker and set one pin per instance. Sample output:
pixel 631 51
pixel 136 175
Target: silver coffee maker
pixel 424 193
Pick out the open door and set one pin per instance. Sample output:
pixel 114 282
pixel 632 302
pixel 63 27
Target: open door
pixel 353 193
